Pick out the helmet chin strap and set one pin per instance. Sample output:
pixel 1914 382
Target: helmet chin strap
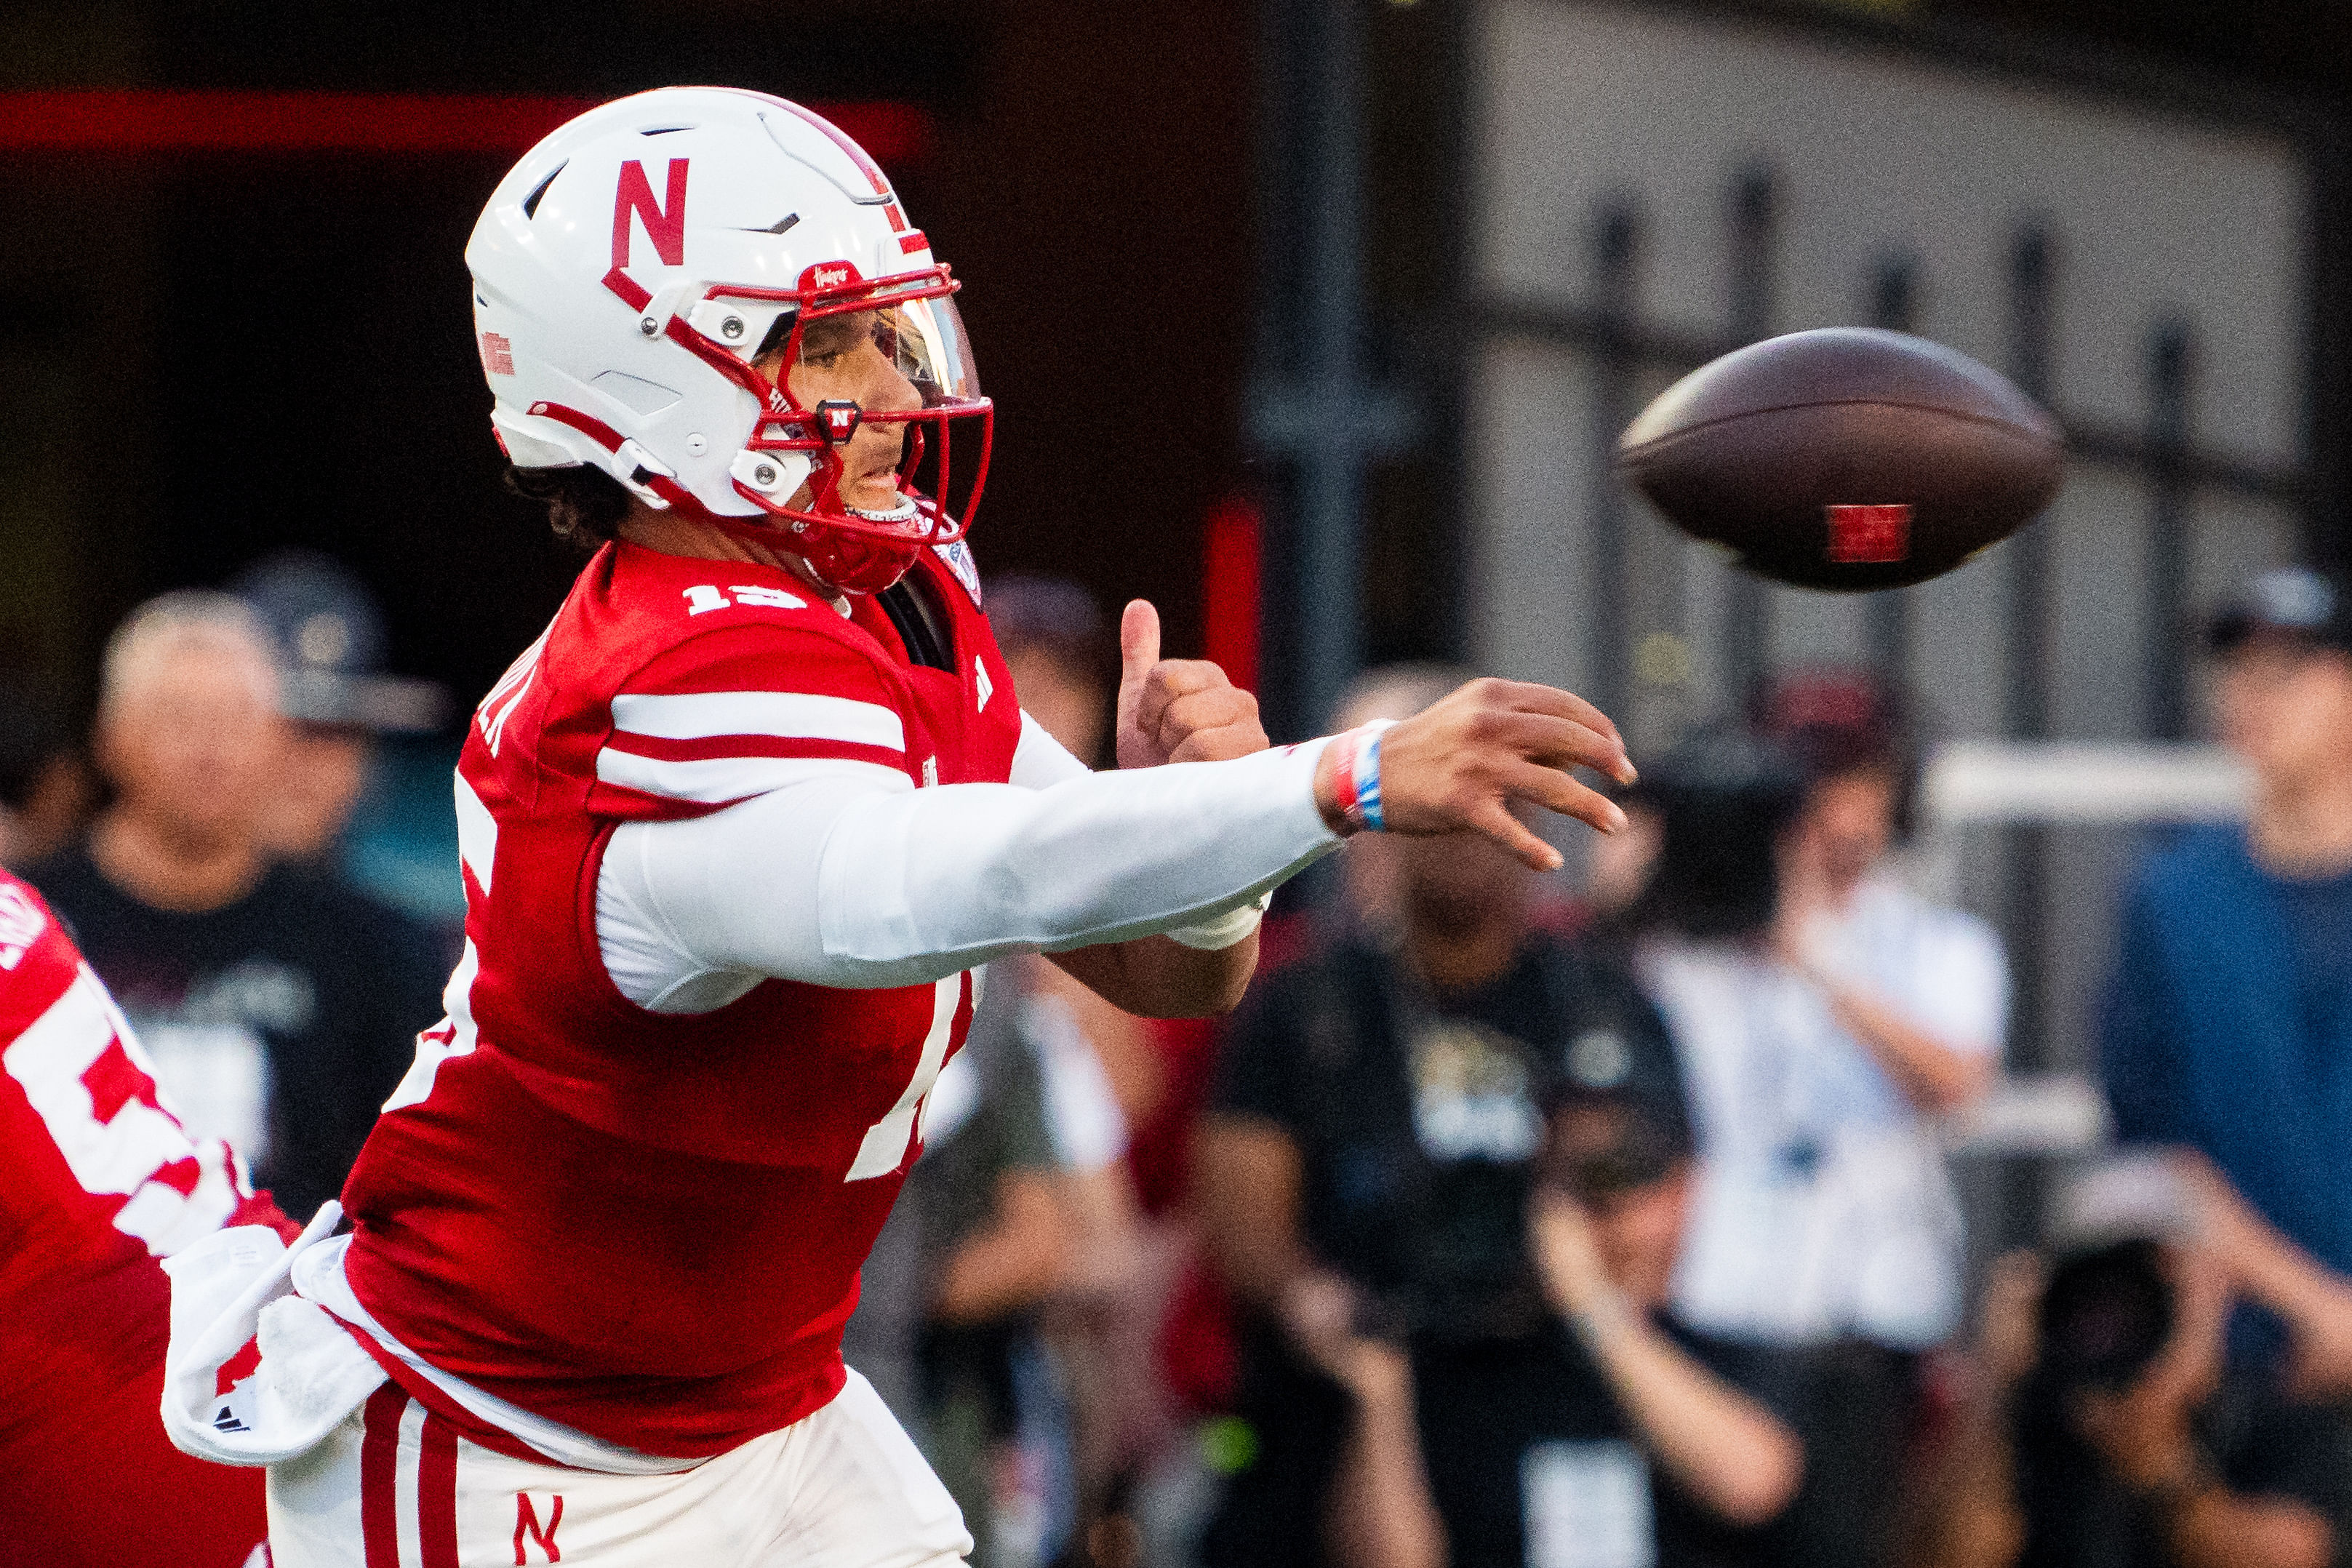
pixel 904 511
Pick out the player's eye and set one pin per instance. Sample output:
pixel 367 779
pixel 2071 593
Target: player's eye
pixel 825 343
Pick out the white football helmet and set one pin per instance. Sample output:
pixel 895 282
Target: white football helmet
pixel 630 269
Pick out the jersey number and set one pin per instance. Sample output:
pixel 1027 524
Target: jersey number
pixel 885 1147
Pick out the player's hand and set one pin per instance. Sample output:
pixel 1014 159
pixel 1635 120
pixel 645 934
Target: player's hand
pixel 1460 763
pixel 1177 710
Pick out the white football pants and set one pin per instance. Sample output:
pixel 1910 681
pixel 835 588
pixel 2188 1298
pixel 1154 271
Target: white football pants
pixel 395 1487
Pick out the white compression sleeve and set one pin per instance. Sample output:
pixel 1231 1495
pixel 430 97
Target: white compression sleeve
pixel 1040 762
pixel 847 881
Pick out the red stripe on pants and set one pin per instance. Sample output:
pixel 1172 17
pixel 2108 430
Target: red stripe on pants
pixel 436 1494
pixel 379 1466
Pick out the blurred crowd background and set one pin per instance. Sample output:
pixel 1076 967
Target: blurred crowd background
pixel 1918 1140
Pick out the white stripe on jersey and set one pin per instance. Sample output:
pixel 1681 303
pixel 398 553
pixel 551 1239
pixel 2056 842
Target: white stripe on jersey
pixel 121 1154
pixel 477 835
pixel 716 780
pixel 788 715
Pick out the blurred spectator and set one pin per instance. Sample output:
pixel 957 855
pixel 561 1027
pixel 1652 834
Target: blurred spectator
pixel 2125 1439
pixel 1824 1014
pixel 332 689
pixel 1101 1070
pixel 279 1012
pixel 44 786
pixel 1617 1436
pixel 1061 657
pixel 1820 1012
pixel 1365 1177
pixel 2229 1026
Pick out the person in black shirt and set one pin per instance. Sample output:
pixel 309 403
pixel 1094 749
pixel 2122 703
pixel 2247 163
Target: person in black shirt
pixel 1375 1139
pixel 279 1010
pixel 1612 1436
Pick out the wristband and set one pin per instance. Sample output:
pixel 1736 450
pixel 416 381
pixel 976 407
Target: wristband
pixel 1356 774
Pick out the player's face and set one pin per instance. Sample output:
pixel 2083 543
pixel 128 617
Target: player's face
pixel 2286 707
pixel 852 358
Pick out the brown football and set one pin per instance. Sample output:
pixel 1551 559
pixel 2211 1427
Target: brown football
pixel 1845 458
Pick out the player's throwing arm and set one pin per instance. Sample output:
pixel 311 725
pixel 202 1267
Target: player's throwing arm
pixel 1453 767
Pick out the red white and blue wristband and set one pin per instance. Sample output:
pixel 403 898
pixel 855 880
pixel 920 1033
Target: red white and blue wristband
pixel 1355 773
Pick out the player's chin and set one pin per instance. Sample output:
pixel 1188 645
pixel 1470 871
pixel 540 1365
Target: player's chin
pixel 874 495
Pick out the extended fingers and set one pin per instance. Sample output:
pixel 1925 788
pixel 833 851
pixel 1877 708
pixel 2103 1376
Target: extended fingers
pixel 1544 722
pixel 1495 820
pixel 1527 696
pixel 1555 791
pixel 1559 743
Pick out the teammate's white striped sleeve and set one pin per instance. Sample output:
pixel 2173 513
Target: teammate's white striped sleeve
pixel 786 715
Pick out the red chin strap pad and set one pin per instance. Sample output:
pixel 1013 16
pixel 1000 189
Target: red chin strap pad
pixel 853 563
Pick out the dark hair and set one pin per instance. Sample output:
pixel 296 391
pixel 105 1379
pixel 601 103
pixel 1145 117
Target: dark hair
pixel 585 505
pixel 1722 798
pixel 33 735
pixel 2105 1314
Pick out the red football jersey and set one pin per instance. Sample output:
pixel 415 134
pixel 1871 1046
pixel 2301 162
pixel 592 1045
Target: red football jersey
pixel 649 1227
pixel 97 1182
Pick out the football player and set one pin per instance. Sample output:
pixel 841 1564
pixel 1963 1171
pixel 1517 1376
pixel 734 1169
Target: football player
pixel 99 1182
pixel 735 832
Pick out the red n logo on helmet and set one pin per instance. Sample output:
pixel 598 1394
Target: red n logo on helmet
pixel 665 225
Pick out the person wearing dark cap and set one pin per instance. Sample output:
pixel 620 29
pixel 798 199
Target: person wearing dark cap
pixel 1821 1028
pixel 2227 1027
pixel 333 691
pixel 1617 1435
pixel 1823 1233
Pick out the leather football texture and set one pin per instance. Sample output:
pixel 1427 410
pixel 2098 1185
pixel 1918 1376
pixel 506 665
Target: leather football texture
pixel 1845 458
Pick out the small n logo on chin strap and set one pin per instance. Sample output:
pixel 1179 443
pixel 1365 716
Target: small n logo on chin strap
pixel 1870 535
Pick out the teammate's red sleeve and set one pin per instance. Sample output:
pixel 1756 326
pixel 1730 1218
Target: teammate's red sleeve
pixel 94 1152
pixel 96 1181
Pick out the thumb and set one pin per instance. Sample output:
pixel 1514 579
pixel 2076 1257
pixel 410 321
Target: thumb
pixel 1138 645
